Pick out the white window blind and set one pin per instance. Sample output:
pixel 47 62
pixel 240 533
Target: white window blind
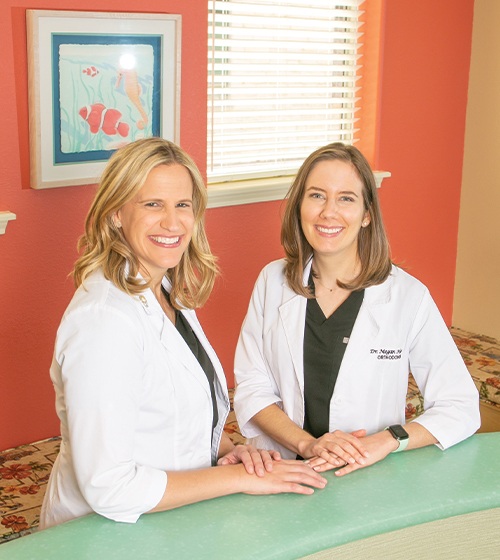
pixel 281 82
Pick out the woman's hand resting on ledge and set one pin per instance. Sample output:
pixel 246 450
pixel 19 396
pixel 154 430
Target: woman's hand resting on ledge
pixel 335 449
pixel 286 476
pixel 377 447
pixel 255 460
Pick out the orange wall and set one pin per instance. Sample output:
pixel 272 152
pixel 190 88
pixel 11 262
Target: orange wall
pixel 422 127
pixel 423 97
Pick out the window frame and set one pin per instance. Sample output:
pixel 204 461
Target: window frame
pixel 250 191
pixel 266 189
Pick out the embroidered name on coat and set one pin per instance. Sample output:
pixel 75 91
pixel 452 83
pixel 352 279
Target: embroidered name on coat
pixel 387 353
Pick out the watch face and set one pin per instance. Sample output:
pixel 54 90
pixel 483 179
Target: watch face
pixel 398 431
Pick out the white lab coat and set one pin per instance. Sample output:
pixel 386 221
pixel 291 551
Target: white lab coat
pixel 398 329
pixel 133 402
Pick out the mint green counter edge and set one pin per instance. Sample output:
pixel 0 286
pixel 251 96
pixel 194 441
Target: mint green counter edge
pixel 405 489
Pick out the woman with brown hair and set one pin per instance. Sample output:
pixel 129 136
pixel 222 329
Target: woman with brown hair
pixel 334 329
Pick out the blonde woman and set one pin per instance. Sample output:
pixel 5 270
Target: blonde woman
pixel 334 329
pixel 140 393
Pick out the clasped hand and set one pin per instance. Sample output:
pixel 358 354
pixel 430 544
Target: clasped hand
pixel 341 451
pixel 335 449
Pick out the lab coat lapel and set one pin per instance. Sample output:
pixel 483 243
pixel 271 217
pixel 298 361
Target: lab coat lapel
pixel 372 313
pixel 293 318
pixel 171 339
pixel 367 325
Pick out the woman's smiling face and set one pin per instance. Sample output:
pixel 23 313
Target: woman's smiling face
pixel 332 210
pixel 158 222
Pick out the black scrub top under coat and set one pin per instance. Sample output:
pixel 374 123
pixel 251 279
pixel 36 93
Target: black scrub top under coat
pixel 187 333
pixel 184 328
pixel 325 341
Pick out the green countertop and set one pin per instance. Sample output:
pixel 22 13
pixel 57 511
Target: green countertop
pixel 404 490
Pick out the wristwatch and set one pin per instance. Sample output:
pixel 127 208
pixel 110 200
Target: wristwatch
pixel 401 435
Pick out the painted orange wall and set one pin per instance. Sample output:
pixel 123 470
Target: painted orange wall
pixel 426 60
pixel 422 109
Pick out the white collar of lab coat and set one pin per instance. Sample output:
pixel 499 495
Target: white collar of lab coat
pixel 293 313
pixel 374 295
pixel 172 339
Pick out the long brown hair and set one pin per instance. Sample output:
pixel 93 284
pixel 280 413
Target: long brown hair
pixel 104 246
pixel 373 246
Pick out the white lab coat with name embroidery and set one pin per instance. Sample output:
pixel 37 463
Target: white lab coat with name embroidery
pixel 398 329
pixel 133 402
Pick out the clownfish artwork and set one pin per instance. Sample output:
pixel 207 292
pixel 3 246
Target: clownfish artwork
pixel 91 71
pixel 108 120
pixel 133 91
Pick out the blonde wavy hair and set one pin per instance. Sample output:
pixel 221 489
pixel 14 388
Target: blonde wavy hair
pixel 103 245
pixel 373 246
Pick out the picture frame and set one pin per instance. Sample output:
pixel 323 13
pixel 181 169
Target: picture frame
pixel 97 81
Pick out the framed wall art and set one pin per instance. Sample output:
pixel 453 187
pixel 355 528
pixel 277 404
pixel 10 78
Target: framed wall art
pixel 97 81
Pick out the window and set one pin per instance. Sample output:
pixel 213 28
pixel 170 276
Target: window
pixel 283 80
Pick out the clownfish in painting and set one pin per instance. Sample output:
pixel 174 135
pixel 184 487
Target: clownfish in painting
pixel 91 71
pixel 107 120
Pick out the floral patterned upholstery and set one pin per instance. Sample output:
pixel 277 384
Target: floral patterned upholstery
pixel 24 472
pixel 481 355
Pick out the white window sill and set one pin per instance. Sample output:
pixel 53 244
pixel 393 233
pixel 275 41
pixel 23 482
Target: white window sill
pixel 258 190
pixel 5 217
